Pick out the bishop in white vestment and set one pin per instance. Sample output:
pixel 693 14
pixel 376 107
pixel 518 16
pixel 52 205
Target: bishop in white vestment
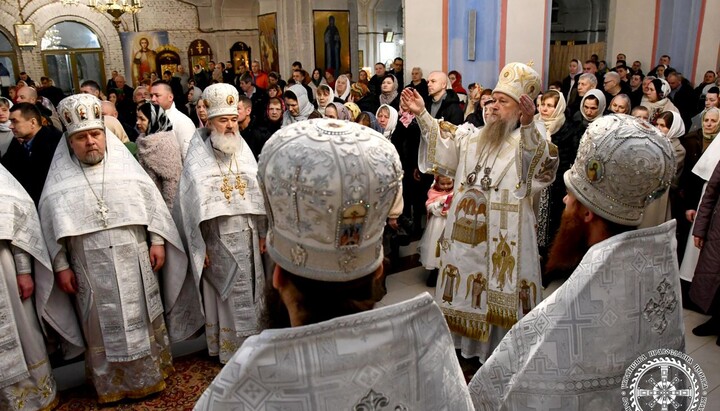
pixel 329 187
pixel 221 214
pixel 490 271
pixel 108 232
pixel 571 352
pixel 26 380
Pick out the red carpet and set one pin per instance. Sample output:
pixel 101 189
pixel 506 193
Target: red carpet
pixel 193 373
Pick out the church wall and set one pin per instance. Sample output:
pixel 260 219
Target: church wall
pixel 424 35
pixel 631 30
pixel 707 53
pixel 527 34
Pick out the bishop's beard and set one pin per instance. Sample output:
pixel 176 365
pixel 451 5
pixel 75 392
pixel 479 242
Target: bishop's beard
pixel 228 143
pixel 495 132
pixel 570 243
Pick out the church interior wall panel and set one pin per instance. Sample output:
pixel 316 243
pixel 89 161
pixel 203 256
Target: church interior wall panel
pixel 424 35
pixel 525 34
pixel 631 28
pixel 677 32
pixel 708 50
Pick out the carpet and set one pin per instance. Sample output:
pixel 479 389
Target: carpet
pixel 193 374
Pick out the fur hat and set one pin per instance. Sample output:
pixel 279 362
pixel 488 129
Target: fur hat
pixel 517 79
pixel 81 112
pixel 623 164
pixel 328 186
pixel 221 100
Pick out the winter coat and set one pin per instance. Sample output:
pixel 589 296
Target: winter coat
pixel 450 109
pixel 706 281
pixel 159 155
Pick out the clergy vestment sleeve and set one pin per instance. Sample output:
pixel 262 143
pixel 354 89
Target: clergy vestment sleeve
pixel 156 239
pixel 536 160
pixel 262 226
pixel 439 145
pixel 23 261
pixel 398 204
pixel 60 261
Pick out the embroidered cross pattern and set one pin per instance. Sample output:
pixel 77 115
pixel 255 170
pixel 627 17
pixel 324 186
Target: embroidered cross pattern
pixel 504 207
pixel 656 312
pixel 296 186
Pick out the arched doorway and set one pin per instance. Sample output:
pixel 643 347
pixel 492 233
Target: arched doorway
pixel 72 54
pixel 8 64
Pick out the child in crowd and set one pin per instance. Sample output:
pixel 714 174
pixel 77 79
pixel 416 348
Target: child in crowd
pixel 438 203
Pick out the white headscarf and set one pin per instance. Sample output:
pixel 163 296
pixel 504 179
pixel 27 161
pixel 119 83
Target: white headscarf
pixel 304 104
pixel 557 118
pixel 331 97
pixel 677 129
pixel 5 127
pixel 344 95
pixel 601 104
pixel 710 158
pixel 392 121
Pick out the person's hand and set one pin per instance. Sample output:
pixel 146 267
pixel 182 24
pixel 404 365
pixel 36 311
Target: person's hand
pixel 392 222
pixel 25 285
pixel 690 215
pixel 206 263
pixel 157 257
pixel 413 100
pixel 527 110
pixel 263 247
pixel 416 175
pixel 699 242
pixel 66 281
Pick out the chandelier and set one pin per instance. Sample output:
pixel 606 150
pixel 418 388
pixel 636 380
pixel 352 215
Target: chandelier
pixel 114 8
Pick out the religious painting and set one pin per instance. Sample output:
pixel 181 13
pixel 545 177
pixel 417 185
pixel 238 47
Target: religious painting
pixel 267 28
pixel 332 40
pixel 240 55
pixel 25 34
pixel 594 170
pixel 351 225
pixel 470 226
pixel 140 54
pixel 200 53
pixel 168 58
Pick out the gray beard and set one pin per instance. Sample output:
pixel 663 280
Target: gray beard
pixel 92 159
pixel 227 143
pixel 495 132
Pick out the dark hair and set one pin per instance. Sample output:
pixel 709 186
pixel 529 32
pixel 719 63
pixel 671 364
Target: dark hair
pixel 557 84
pixel 668 117
pixel 380 63
pixel 657 83
pixel 246 102
pixel 642 76
pixel 90 83
pixel 44 78
pixel 290 95
pixel 28 111
pixel 714 90
pixel 163 83
pixel 591 62
pixel 297 63
pixel 167 72
pixel 325 300
pixel 274 75
pixel 246 78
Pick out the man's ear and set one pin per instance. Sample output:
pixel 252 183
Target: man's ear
pixel 278 280
pixel 587 215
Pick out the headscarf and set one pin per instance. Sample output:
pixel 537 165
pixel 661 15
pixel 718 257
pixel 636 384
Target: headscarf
pixel 373 121
pixel 710 158
pixel 359 89
pixel 387 98
pixel 457 84
pixel 601 104
pixel 197 95
pixel 677 129
pixel 331 97
pixel 392 121
pixel 557 118
pixel 342 111
pixel 5 127
pixel 158 121
pixel 353 109
pixel 662 88
pixel 344 95
pixel 304 104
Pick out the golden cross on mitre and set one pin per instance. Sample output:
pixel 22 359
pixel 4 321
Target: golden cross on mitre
pixel 530 63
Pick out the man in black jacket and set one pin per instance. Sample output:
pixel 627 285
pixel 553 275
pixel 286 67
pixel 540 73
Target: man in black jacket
pixel 442 102
pixel 31 151
pixel 683 97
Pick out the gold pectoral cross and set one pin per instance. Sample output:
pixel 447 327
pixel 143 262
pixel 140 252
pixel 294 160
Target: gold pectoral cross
pixel 240 185
pixel 227 189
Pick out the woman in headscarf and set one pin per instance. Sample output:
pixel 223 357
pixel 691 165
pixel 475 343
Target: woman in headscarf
pixel 456 84
pixel 360 95
pixel 353 109
pixel 671 126
pixel 387 118
pixel 337 111
pixel 325 97
pixel 342 87
pixel 389 92
pixel 6 135
pixel 592 107
pixel 562 133
pixel 158 150
pixel 656 99
pixel 275 91
pixel 298 106
pixel 316 79
pixel 702 154
pixel 368 119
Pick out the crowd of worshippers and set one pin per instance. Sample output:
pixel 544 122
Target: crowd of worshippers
pixel 252 209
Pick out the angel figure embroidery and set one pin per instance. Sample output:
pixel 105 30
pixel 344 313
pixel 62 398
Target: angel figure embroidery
pixel 476 285
pixel 503 262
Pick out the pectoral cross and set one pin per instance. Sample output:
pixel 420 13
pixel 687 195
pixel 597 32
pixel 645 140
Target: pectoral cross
pixel 240 185
pixel 102 211
pixel 486 181
pixel 227 189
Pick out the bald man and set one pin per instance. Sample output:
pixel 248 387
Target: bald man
pixel 443 102
pixel 112 123
pixel 27 94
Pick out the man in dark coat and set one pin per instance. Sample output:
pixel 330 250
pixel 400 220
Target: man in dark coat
pixel 257 95
pixel 443 102
pixel 31 151
pixel 376 80
pixel 683 97
pixel 50 91
pixel 249 125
